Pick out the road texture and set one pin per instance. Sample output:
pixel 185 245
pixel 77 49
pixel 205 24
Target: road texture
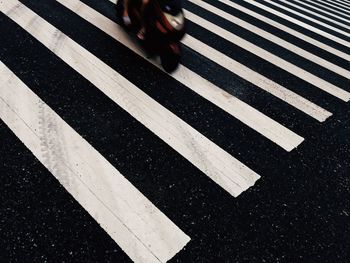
pixel 241 155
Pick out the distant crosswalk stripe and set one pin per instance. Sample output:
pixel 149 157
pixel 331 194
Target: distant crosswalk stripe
pixel 287 30
pixel 317 14
pixel 217 164
pixel 138 227
pixel 287 66
pixel 335 29
pixel 324 8
pixel 285 44
pixel 338 4
pixel 300 23
pixel 240 110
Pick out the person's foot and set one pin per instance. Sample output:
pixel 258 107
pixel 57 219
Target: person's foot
pixel 126 20
pixel 141 34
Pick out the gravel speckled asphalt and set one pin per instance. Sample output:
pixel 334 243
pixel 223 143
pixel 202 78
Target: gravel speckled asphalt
pixel 298 211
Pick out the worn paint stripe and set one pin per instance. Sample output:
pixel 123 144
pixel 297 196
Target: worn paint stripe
pixel 300 23
pixel 288 30
pixel 269 57
pixel 217 164
pixel 238 109
pixel 271 37
pixel 134 223
pixel 318 14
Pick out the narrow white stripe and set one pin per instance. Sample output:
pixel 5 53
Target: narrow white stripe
pixel 310 19
pixel 281 42
pixel 317 14
pixel 338 4
pixel 213 161
pixel 138 227
pixel 245 113
pixel 300 23
pixel 287 66
pixel 288 30
pixel 334 10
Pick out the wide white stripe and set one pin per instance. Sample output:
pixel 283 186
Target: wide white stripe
pixel 324 9
pixel 287 66
pixel 337 4
pixel 213 161
pixel 279 41
pixel 317 14
pixel 138 227
pixel 299 23
pixel 242 111
pixel 335 29
pixel 288 30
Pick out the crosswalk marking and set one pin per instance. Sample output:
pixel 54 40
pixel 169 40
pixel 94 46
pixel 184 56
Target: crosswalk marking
pixel 343 5
pixel 334 5
pixel 240 110
pixel 288 30
pixel 300 23
pixel 281 63
pixel 221 167
pixel 257 79
pixel 323 7
pixel 138 227
pixel 285 44
pixel 335 29
pixel 291 68
pixel 317 14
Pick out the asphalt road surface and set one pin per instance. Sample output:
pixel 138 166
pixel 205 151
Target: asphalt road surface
pixel 241 155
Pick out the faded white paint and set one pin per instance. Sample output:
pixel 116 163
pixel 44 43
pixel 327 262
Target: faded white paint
pixel 238 109
pixel 288 30
pixel 300 23
pixel 217 164
pixel 276 60
pixel 271 37
pixel 318 14
pixel 135 224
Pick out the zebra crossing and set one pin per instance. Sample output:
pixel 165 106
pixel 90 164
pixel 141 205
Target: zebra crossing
pixel 143 231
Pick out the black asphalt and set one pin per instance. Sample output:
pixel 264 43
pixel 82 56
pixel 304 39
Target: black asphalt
pixel 299 211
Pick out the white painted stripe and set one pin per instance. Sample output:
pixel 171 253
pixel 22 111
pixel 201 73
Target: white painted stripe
pixel 221 167
pixel 281 42
pixel 317 14
pixel 333 4
pixel 238 109
pixel 324 9
pixel 252 76
pixel 338 4
pixel 255 78
pixel 299 23
pixel 138 227
pixel 288 30
pixel 310 19
pixel 281 63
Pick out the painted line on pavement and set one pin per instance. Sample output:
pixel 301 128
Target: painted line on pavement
pixel 132 221
pixel 271 37
pixel 269 57
pixel 288 30
pixel 217 164
pixel 238 109
pixel 300 23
